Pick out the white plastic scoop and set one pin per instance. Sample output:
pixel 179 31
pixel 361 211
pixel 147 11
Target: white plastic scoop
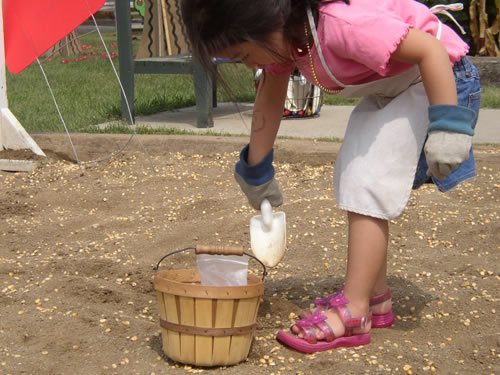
pixel 268 235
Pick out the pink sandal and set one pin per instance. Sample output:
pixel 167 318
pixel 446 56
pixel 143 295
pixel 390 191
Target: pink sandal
pixel 382 320
pixel 378 320
pixel 310 344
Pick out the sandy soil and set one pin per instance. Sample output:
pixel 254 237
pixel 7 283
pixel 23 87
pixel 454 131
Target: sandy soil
pixel 78 246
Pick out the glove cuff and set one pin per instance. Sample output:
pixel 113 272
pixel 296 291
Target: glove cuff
pixel 257 174
pixel 452 118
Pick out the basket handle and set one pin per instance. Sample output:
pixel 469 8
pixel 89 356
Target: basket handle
pixel 219 250
pixel 215 250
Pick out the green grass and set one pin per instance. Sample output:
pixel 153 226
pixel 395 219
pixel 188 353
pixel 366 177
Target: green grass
pixel 88 94
pixel 490 97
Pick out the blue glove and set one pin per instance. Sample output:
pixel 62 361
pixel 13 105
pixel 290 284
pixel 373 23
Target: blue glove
pixel 257 181
pixel 450 138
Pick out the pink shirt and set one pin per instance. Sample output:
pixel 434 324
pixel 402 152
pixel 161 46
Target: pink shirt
pixel 358 40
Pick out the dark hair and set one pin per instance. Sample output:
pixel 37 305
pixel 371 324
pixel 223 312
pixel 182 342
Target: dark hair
pixel 214 25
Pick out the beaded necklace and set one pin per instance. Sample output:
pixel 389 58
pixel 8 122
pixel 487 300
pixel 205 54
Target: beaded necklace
pixel 313 71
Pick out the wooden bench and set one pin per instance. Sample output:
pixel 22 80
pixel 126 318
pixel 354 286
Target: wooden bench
pixel 204 86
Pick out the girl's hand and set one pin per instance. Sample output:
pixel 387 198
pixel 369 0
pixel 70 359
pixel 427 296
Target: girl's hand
pixel 257 181
pixel 445 151
pixel 450 138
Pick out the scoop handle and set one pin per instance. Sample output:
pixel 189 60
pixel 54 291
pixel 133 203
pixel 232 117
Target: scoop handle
pixel 267 213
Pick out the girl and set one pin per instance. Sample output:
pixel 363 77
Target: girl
pixel 417 86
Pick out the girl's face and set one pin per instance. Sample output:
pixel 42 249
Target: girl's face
pixel 256 56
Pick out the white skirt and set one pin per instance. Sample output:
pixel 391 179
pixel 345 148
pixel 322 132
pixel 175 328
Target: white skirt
pixel 376 164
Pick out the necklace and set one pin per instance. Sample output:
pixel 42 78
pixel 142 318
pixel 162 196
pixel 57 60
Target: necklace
pixel 313 71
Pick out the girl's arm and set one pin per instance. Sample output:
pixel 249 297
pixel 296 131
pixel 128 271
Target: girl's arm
pixel 432 58
pixel 267 114
pixel 451 126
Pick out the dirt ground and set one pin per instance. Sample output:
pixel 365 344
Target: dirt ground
pixel 78 246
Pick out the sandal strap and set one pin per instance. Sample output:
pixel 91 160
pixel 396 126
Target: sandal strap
pixel 350 323
pixel 327 331
pixel 309 332
pixel 324 303
pixel 358 322
pixel 375 300
pixel 310 335
pixel 315 320
pixel 327 302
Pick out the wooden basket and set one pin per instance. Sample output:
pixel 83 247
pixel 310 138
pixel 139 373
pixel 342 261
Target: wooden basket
pixel 207 325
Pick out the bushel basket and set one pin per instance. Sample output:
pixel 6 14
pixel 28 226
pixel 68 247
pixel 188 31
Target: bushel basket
pixel 206 325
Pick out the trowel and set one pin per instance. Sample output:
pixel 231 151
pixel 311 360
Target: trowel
pixel 268 235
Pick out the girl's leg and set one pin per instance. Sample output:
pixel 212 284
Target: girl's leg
pixel 366 261
pixel 366 269
pixel 381 285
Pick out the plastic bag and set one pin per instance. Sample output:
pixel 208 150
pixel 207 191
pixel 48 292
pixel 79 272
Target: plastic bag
pixel 222 270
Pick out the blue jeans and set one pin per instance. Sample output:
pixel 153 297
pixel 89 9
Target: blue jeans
pixel 469 95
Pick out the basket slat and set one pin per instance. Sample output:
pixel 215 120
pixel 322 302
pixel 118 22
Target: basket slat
pixel 187 315
pixel 173 338
pixel 244 315
pixel 163 315
pixel 223 318
pixel 203 344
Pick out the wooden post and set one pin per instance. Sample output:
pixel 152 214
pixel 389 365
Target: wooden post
pixel 125 57
pixel 165 27
pixel 203 95
pixel 69 45
pixel 152 43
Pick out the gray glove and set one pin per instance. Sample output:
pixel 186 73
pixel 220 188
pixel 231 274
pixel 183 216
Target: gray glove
pixel 450 138
pixel 445 151
pixel 257 181
pixel 256 193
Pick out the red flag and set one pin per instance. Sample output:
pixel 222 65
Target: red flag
pixel 31 27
